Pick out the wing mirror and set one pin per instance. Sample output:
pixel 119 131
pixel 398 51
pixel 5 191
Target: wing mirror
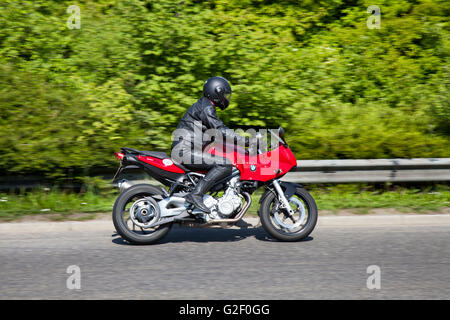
pixel 281 133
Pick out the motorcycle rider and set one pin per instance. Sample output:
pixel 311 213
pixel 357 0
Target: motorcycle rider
pixel 200 117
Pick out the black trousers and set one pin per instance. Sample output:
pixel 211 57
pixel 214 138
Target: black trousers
pixel 217 167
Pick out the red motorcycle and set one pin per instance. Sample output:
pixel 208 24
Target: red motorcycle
pixel 144 214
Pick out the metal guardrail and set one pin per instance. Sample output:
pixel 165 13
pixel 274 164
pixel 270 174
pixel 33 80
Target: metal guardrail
pixel 325 171
pixel 370 170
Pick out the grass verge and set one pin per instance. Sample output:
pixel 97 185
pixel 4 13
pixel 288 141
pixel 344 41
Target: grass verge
pixel 59 205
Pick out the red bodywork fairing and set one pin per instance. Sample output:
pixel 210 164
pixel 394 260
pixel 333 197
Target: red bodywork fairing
pixel 266 166
pixel 262 167
pixel 163 164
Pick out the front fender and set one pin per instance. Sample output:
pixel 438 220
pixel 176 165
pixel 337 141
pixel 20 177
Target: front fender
pixel 288 187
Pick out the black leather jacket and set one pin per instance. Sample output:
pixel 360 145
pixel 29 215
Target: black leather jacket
pixel 202 116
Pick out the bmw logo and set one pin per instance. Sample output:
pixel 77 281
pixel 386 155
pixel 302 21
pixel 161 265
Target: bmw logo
pixel 253 167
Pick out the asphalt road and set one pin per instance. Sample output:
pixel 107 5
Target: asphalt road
pixel 413 260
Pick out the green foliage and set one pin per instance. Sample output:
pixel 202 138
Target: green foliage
pixel 41 202
pixel 70 98
pixel 406 199
pixel 55 204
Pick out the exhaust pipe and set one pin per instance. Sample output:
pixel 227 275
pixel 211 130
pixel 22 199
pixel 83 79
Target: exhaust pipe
pixel 124 185
pixel 213 223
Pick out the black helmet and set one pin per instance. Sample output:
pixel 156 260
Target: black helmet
pixel 218 90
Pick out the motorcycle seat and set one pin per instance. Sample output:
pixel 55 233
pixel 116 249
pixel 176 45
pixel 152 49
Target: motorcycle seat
pixel 154 154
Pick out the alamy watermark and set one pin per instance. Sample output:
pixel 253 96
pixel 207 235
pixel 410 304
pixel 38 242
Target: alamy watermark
pixel 374 21
pixel 73 282
pixel 374 280
pixel 230 144
pixel 74 20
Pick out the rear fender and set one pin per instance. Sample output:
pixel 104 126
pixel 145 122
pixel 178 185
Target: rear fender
pixel 123 167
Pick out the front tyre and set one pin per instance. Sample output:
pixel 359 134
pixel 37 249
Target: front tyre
pixel 137 201
pixel 277 222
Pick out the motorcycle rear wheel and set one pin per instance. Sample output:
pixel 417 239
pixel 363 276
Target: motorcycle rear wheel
pixel 124 224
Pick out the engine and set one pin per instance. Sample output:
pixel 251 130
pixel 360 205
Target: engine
pixel 225 206
pixel 229 202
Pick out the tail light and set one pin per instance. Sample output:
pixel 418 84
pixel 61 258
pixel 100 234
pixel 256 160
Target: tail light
pixel 119 155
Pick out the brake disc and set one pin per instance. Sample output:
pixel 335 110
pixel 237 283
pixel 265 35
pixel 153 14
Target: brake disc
pixel 144 212
pixel 299 208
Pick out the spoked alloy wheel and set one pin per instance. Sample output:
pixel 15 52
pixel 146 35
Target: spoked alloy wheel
pixel 279 224
pixel 134 211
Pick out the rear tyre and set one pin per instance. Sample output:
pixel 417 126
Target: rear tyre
pixel 123 223
pixel 279 225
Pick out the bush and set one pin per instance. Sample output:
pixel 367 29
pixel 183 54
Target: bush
pixel 70 98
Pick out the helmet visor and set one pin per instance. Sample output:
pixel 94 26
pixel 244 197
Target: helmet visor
pixel 227 96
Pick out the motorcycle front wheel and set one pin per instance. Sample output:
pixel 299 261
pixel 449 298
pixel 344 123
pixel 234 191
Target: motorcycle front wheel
pixel 131 207
pixel 280 225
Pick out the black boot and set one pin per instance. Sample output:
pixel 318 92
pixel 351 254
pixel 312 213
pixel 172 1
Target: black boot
pixel 196 197
pixel 214 175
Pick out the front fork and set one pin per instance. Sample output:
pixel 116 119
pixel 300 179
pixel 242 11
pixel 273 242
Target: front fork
pixel 282 197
